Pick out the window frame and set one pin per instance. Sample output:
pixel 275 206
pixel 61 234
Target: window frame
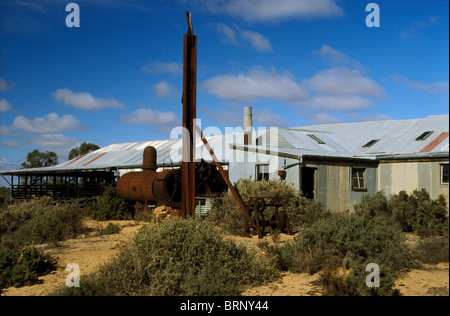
pixel 357 170
pixel 442 174
pixel 265 175
pixel 424 136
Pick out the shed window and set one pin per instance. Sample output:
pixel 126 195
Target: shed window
pixel 424 135
pixel 262 172
pixel 358 179
pixel 371 143
pixel 444 173
pixel 317 139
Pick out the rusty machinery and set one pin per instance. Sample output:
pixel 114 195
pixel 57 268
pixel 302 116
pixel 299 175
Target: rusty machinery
pixel 164 188
pixel 255 219
pixel 177 188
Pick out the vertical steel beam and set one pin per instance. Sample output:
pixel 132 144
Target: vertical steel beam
pixel 189 115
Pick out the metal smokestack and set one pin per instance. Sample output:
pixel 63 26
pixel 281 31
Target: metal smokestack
pixel 248 125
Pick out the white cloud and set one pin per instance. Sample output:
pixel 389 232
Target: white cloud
pixel 417 29
pixel 266 117
pixel 338 103
pixel 85 101
pixel 51 141
pixel 9 144
pixel 4 131
pixel 3 85
pixel 237 37
pixel 369 117
pixel 165 90
pixel 255 85
pixel 8 165
pixel 336 57
pixel 159 67
pixel 5 106
pixel 323 118
pixel 229 34
pixel 274 10
pixel 50 123
pixel 438 87
pixel 164 120
pixel 57 143
pixel 258 41
pixel 342 81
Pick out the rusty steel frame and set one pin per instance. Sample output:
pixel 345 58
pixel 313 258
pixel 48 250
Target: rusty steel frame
pixel 189 115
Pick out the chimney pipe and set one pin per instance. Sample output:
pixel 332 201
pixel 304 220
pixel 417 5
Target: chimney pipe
pixel 149 161
pixel 248 125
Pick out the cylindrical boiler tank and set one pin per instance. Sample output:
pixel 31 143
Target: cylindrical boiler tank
pixel 162 188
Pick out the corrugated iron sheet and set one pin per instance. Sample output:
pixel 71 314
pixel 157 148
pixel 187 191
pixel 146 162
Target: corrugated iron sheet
pixel 396 137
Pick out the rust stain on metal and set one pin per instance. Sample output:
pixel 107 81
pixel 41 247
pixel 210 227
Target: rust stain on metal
pixel 78 158
pixel 95 158
pixel 435 142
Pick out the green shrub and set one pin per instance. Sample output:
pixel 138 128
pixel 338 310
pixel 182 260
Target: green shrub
pixel 419 213
pixel 432 250
pixel 302 212
pixel 373 205
pixel 177 257
pixel 340 240
pixel 110 206
pixel 39 221
pixel 416 213
pixel 20 268
pixel 110 229
pixel 354 283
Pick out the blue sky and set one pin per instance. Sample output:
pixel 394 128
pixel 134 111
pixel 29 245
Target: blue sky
pixel 118 77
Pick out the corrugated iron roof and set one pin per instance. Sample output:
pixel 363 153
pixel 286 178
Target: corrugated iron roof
pixel 394 137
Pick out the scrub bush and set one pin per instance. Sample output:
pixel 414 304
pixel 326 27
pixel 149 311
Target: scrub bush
pixel 20 268
pixel 354 283
pixel 39 221
pixel 177 257
pixel 341 240
pixel 416 213
pixel 110 206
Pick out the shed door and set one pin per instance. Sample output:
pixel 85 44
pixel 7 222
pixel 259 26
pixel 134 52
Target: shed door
pixel 308 182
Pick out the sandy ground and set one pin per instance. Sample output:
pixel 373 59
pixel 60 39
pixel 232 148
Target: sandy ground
pixel 90 252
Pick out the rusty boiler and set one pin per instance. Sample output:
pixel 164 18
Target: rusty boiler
pixel 164 188
pixel 150 186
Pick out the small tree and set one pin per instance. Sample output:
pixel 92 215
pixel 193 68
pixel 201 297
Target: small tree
pixel 36 159
pixel 83 149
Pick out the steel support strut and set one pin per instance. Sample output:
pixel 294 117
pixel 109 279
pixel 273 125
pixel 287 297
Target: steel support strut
pixel 189 115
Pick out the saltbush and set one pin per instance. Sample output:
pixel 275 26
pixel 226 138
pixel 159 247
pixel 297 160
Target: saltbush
pixel 416 212
pixel 23 267
pixel 354 282
pixel 110 206
pixel 341 240
pixel 39 221
pixel 177 257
